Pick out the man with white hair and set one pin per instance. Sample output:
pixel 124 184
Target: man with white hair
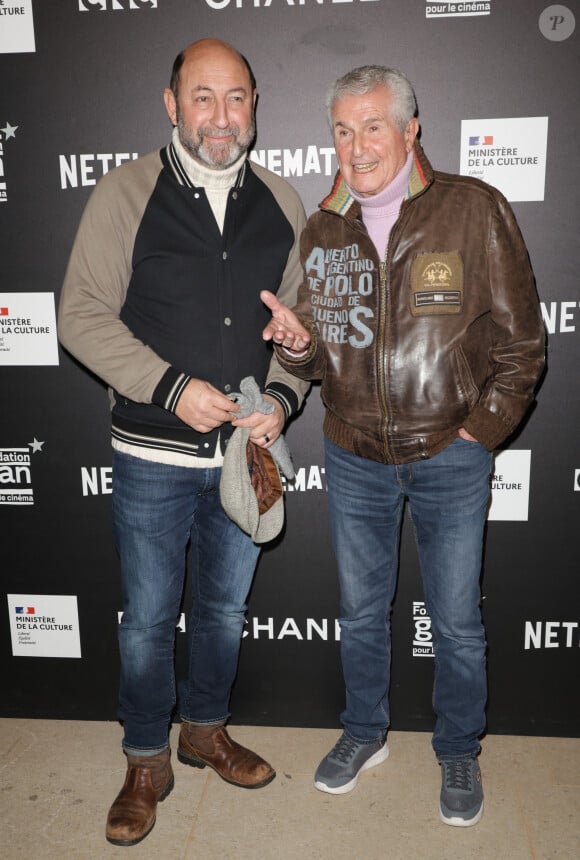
pixel 418 313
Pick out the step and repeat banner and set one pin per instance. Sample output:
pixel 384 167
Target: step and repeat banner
pixel 81 92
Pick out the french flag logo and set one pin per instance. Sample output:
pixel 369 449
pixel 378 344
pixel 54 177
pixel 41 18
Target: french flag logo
pixel 25 610
pixel 3 312
pixel 486 140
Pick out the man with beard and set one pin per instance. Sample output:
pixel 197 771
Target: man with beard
pixel 161 300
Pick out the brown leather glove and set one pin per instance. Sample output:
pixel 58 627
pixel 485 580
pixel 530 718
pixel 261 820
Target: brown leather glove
pixel 264 476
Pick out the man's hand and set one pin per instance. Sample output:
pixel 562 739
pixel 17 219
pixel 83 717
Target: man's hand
pixel 265 429
pixel 465 435
pixel 284 328
pixel 203 407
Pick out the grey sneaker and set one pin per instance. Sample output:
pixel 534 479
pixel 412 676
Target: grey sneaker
pixel 461 803
pixel 338 772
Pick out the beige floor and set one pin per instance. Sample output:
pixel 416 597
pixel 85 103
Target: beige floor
pixel 58 778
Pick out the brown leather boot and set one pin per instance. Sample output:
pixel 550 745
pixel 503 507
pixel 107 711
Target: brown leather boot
pixel 149 779
pixel 211 745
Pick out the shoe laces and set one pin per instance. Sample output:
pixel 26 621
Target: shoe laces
pixel 344 749
pixel 459 774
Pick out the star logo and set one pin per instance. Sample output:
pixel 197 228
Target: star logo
pixel 36 445
pixel 9 130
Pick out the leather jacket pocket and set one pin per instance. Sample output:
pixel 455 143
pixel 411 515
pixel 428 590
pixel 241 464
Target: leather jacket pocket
pixel 466 387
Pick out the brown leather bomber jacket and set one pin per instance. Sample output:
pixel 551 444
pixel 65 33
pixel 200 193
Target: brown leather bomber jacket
pixel 445 332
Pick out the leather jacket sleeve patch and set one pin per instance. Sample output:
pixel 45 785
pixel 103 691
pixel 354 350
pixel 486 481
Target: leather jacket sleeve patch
pixel 437 283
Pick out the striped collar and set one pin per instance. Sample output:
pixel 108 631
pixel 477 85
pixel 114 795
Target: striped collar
pixel 340 200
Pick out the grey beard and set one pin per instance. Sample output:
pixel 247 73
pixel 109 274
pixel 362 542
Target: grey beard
pixel 213 157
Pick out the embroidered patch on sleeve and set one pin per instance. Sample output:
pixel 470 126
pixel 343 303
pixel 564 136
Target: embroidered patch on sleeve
pixel 437 283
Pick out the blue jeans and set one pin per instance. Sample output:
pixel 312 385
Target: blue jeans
pixel 448 497
pixel 157 510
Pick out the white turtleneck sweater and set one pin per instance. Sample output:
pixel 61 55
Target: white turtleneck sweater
pixel 216 183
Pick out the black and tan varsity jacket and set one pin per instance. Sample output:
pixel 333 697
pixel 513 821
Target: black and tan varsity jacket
pixel 155 294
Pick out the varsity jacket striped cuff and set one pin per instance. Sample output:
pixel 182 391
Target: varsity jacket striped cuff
pixel 286 397
pixel 170 389
pixel 173 381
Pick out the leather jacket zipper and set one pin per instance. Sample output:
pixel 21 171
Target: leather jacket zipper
pixel 381 351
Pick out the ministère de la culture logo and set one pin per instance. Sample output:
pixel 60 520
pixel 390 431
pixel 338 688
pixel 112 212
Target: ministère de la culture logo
pixel 16 27
pixel 508 153
pixel 44 625
pixel 16 486
pixel 28 329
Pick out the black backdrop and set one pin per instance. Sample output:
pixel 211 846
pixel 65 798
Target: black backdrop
pixel 81 87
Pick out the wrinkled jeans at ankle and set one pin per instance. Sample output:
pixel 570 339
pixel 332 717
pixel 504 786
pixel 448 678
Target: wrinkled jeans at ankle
pixel 157 510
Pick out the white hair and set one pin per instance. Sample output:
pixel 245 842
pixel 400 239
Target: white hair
pixel 364 79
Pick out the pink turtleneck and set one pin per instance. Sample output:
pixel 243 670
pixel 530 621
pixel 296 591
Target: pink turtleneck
pixel 380 212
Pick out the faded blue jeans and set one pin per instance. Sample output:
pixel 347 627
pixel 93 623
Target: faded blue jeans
pixel 448 497
pixel 157 510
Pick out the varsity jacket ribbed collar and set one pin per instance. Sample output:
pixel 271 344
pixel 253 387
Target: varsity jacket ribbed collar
pixel 182 175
